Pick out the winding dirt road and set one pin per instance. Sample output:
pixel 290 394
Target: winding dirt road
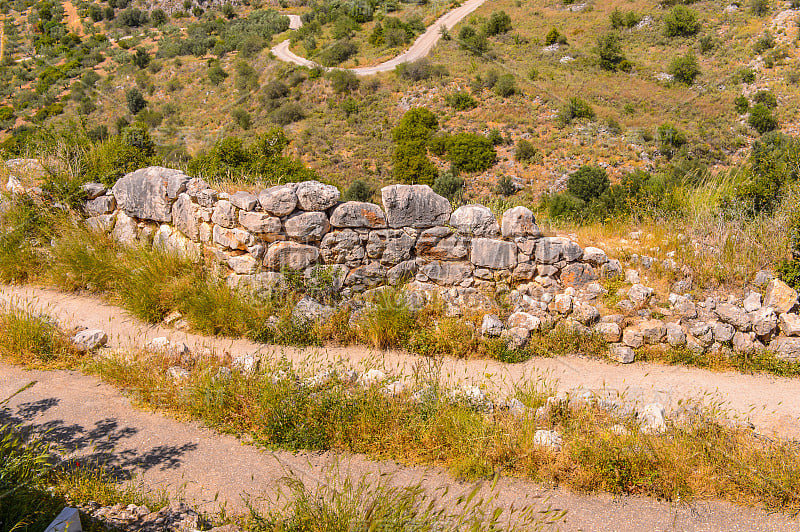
pixel 769 402
pixel 421 47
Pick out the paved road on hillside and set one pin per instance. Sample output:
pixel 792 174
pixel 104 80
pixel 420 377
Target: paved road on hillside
pixel 771 403
pixel 421 47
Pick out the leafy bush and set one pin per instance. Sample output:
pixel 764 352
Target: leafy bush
pixel 359 190
pixel 344 81
pixel 409 157
pixel 764 43
pixel 419 70
pixel 449 185
pixel 467 152
pixel 761 119
pixel 685 68
pixel 759 7
pixel 575 108
pixel 135 100
pixel 337 53
pixel 499 22
pixel 495 137
pixel 588 183
pixel 610 51
pixel 505 186
pixel 670 139
pixel 681 22
pixel 461 101
pixel 109 160
pixel 746 75
pixel 623 19
pixel 553 36
pixel 216 74
pixel 242 118
pixel 741 104
pixel 506 86
pixel 526 151
pixel 774 162
pixel 472 40
pixel 766 98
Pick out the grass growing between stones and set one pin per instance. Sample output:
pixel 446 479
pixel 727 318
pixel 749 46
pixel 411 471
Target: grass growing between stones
pixel 603 449
pixel 31 339
pixel 757 362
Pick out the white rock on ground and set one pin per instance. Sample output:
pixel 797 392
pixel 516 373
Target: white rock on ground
pixel 491 326
pixel 372 376
pixel 622 354
pixel 652 419
pixel 790 324
pixel 90 339
pixel 550 439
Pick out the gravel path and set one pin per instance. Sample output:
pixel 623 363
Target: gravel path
pixel 770 403
pixel 421 47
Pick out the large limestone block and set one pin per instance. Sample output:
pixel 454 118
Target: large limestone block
pixel 519 221
pixel 244 200
pixel 358 214
pixel 290 255
pixel 550 250
pixel 390 246
pixel 101 205
pixel 185 217
pixel 232 238
pixel 414 206
pixel 343 247
pixel 125 229
pixel 225 214
pixel 148 193
pixel 441 243
pixel 316 196
pixel 786 348
pixel 263 224
pixel 307 226
pixel 577 274
pixel 278 200
pixel 780 296
pixel 494 254
pixel 733 315
pixel 474 220
pixel 368 276
pixel 446 273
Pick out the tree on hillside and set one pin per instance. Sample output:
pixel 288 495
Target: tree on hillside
pixel 410 155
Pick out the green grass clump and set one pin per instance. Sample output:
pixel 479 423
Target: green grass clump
pixel 32 339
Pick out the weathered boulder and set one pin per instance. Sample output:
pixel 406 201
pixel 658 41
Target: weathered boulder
pixel 101 205
pixel 594 256
pixel 402 272
pixel 446 273
pixel 343 247
pixel 94 190
pixel 494 254
pixel 622 354
pixel 414 206
pixel 640 294
pixel 611 269
pixel 358 214
pixel 264 225
pixel 585 313
pixel 307 226
pixel 562 303
pixel 368 276
pixel 125 229
pixel 610 331
pixel 744 342
pixel 185 217
pixel 516 337
pixel 244 200
pixel 764 321
pixel 148 193
pixel 520 222
pixel 243 264
pixel 316 196
pixel 102 223
pixel 308 310
pixel 441 243
pixel 549 439
pixel 550 250
pixel 89 339
pixel 633 337
pixel 752 302
pixel 474 220
pixel 232 238
pixel 652 419
pixel 279 200
pixel 524 320
pixel 780 296
pixel 733 315
pixel 675 335
pixel 390 246
pixel 225 214
pixel 790 324
pixel 723 332
pixel 786 348
pixel 491 326
pixel 577 274
pixel 290 255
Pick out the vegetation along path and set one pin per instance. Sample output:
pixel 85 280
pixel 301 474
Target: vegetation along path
pixel 769 402
pixel 421 47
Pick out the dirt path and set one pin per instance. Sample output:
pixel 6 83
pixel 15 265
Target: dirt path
pixel 769 402
pixel 421 47
pixel 209 469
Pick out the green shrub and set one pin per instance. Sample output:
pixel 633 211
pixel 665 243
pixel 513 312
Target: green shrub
pixel 419 70
pixel 469 152
pixel 610 51
pixel 461 101
pixel 287 114
pixel 449 185
pixel 761 119
pixel 526 151
pixel 681 22
pixel 242 118
pixel 623 19
pixel 575 108
pixel 141 58
pixel 588 183
pixel 766 98
pixel 684 68
pixel 564 206
pixel 344 81
pixel 741 104
pixel 505 86
pixel 216 74
pixel 359 190
pixel 417 124
pixel 495 137
pixel 338 52
pixel 505 186
pixel 472 40
pixel 759 7
pixel 159 17
pixel 109 160
pixel 669 139
pixel 764 43
pixel 499 22
pixel 411 137
pixel 746 75
pixel 135 100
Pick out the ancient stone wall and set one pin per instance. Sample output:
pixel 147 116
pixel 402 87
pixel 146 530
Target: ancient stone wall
pixel 467 257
